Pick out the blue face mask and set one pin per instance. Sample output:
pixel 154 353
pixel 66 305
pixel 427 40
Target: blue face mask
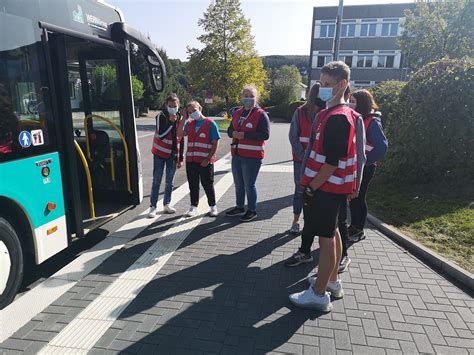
pixel 196 115
pixel 172 110
pixel 248 102
pixel 325 94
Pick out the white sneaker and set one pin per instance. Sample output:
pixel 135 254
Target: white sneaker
pixel 191 212
pixel 309 299
pixel 168 209
pixel 334 287
pixel 152 213
pixel 213 212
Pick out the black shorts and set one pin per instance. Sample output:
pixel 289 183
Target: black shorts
pixel 320 216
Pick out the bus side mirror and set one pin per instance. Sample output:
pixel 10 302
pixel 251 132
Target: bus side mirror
pixel 156 74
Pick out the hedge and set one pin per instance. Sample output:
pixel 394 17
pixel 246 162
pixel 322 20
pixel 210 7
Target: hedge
pixel 430 123
pixel 284 111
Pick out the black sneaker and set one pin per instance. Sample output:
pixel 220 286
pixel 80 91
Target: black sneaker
pixel 355 235
pixel 248 216
pixel 298 258
pixel 236 211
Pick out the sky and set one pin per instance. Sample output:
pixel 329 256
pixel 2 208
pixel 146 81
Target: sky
pixel 281 27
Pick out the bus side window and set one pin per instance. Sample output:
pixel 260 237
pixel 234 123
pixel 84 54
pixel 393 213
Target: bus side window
pixel 24 113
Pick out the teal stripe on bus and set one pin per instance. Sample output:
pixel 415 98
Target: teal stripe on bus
pixel 22 181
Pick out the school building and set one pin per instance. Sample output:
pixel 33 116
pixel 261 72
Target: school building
pixel 368 42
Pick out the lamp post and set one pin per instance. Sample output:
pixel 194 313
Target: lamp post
pixel 337 37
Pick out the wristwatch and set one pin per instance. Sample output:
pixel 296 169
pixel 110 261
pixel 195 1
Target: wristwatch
pixel 308 190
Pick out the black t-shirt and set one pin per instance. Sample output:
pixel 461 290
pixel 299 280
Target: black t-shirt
pixel 336 138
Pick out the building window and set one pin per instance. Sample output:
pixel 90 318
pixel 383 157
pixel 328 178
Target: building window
pixel 364 61
pixel 368 28
pixel 327 31
pixel 386 61
pixel 347 59
pixel 323 59
pixel 390 28
pixel 348 30
pixel 362 83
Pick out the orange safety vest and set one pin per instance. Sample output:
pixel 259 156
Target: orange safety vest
pixel 199 143
pixel 305 130
pixel 248 148
pixel 343 180
pixel 163 147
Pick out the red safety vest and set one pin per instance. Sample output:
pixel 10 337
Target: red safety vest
pixel 343 180
pixel 199 143
pixel 305 130
pixel 163 147
pixel 248 148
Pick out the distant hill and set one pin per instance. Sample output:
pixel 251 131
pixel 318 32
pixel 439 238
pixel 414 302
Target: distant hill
pixel 276 61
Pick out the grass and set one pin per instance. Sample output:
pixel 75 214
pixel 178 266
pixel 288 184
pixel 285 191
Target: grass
pixel 222 124
pixel 440 216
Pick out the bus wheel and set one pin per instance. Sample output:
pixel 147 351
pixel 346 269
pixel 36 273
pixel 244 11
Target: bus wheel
pixel 11 263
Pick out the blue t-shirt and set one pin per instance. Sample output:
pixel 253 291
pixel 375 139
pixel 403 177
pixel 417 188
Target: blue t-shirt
pixel 214 135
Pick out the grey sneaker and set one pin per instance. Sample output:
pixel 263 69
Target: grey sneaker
pixel 344 264
pixel 309 299
pixel 335 288
pixel 298 258
pixel 295 229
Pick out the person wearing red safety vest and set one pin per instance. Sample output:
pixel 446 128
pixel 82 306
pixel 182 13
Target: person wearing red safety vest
pixel 328 177
pixel 375 148
pixel 300 131
pixel 203 141
pixel 167 152
pixel 249 129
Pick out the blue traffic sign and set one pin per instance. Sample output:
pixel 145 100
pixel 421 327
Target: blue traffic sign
pixel 25 139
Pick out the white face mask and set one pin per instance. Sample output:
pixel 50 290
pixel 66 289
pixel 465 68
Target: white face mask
pixel 352 105
pixel 172 110
pixel 196 115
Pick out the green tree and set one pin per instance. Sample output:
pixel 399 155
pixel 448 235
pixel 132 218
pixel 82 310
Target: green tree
pixel 137 88
pixel 436 30
pixel 228 60
pixel 284 84
pixel 175 81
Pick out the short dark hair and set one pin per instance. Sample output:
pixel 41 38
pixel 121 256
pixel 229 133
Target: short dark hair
pixel 172 97
pixel 338 70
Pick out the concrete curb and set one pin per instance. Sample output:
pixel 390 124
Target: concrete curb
pixel 463 277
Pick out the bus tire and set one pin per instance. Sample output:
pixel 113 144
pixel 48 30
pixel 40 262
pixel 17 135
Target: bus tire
pixel 11 250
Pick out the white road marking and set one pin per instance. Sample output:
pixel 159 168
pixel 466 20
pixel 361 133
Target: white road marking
pixel 97 318
pixel 22 310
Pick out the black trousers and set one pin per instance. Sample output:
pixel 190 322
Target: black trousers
pixel 342 225
pixel 359 205
pixel 196 173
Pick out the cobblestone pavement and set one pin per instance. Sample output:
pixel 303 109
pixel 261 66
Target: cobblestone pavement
pixel 205 285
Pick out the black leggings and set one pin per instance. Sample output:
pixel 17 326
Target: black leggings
pixel 359 205
pixel 195 173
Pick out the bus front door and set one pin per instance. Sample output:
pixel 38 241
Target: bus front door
pixel 100 144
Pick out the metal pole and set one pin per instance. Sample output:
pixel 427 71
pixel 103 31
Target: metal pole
pixel 337 38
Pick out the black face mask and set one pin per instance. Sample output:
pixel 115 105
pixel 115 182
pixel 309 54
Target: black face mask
pixel 320 103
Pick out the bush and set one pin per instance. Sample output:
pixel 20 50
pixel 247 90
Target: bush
pixel 284 111
pixel 430 125
pixel 387 96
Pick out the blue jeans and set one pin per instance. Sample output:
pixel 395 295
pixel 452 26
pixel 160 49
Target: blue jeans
pixel 158 169
pixel 245 172
pixel 298 196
